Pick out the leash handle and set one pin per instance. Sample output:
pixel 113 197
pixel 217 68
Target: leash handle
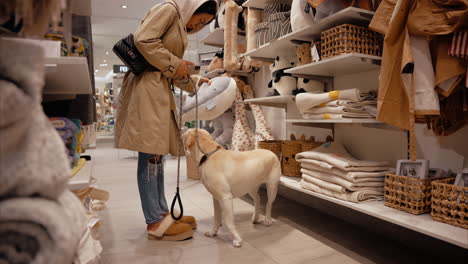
pixel 177 199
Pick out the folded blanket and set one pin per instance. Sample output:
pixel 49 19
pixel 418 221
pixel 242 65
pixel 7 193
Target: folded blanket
pixel 350 103
pixel 337 116
pixel 336 155
pixel 305 101
pixel 352 176
pixel 33 158
pixel 341 181
pixel 36 230
pixel 356 197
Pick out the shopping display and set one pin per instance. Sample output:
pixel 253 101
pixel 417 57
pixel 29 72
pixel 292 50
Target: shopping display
pixel 356 108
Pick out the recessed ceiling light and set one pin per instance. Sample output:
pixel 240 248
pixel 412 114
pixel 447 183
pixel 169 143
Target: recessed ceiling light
pixel 103 65
pixel 124 6
pixel 97 70
pixel 107 53
pixel 105 61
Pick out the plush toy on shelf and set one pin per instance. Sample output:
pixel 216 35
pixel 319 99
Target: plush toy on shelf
pixel 283 83
pixel 223 128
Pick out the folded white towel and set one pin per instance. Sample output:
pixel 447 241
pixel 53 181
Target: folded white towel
pixel 343 182
pixel 344 115
pixel 41 230
pixel 352 176
pixel 335 154
pixel 305 101
pixel 356 197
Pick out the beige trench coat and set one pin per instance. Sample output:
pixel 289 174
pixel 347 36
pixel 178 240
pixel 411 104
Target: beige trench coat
pixel 146 114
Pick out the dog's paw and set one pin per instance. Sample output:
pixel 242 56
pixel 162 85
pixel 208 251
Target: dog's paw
pixel 255 220
pixel 237 243
pixel 268 222
pixel 211 234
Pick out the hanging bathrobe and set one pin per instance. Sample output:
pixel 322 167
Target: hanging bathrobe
pixel 243 139
pixel 262 131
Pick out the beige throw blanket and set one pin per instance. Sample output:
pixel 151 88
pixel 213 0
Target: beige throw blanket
pixel 352 176
pixel 356 197
pixel 336 155
pixel 323 176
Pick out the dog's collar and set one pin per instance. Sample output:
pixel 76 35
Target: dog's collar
pixel 207 155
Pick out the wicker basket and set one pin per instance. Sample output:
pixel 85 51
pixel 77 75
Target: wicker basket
pixel 289 150
pixel 303 54
pixel 271 145
pixel 408 194
pixel 261 33
pixel 450 203
pixel 193 171
pixel 350 39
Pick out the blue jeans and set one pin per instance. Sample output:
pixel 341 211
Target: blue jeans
pixel 151 186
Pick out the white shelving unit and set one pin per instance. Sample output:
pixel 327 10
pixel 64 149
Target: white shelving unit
pixel 339 65
pixel 67 75
pixel 273 101
pixel 216 38
pixel 420 223
pixel 282 46
pixel 82 179
pixel 259 4
pixel 334 121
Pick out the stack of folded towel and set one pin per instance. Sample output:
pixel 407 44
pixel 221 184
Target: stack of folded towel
pixel 331 170
pixel 41 221
pixel 337 105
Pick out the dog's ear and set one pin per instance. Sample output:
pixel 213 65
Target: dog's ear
pixel 189 139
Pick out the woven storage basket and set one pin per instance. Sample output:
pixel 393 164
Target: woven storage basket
pixel 271 145
pixel 280 25
pixel 193 171
pixel 289 150
pixel 261 33
pixel 303 54
pixel 408 194
pixel 349 39
pixel 450 203
pixel 275 8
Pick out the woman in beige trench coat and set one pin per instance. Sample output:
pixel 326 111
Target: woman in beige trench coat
pixel 146 116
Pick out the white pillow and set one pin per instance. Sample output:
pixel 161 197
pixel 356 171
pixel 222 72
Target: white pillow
pixel 213 100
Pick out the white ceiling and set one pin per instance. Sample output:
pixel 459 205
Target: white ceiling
pixel 110 23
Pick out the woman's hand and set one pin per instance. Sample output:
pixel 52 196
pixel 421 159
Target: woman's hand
pixel 183 70
pixel 203 80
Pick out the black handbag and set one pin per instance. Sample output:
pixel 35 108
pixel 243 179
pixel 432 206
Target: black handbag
pixel 126 50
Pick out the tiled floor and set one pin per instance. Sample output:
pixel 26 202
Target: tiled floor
pixel 298 235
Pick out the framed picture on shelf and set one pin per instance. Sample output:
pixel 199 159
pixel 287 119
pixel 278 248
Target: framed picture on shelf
pixel 462 178
pixel 413 168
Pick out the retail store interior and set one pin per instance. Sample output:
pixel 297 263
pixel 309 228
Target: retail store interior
pixel 233 131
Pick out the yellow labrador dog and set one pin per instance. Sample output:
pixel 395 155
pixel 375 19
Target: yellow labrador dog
pixel 230 174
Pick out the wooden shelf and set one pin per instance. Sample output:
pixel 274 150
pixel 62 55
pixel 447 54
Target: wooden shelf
pixel 283 47
pixel 82 179
pixel 335 121
pixel 67 75
pixel 339 65
pixel 273 101
pixel 420 223
pixel 216 38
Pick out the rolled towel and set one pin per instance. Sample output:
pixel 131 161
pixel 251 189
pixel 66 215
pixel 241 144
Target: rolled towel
pixel 306 101
pixel 352 176
pixel 343 182
pixel 356 197
pixel 336 155
pixel 36 230
pixel 33 158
